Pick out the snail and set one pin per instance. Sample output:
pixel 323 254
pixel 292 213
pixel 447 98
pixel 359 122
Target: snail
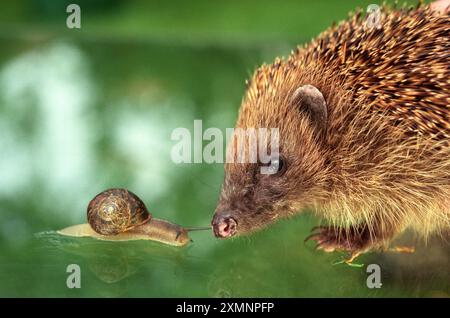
pixel 119 215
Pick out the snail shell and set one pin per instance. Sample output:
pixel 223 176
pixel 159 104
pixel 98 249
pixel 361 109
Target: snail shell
pixel 115 211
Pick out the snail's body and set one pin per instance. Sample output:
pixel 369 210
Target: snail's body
pixel 155 230
pixel 119 215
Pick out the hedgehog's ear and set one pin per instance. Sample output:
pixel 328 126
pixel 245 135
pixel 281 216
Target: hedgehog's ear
pixel 309 99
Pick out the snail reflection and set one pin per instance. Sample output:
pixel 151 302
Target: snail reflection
pixel 113 262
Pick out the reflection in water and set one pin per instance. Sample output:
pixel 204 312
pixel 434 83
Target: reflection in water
pixel 271 267
pixel 111 269
pixel 263 266
pixel 112 262
pixel 423 273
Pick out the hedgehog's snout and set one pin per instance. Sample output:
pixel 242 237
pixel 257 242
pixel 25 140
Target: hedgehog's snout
pixel 224 225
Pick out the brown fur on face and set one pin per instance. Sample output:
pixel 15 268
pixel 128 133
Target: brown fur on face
pixel 384 160
pixel 255 199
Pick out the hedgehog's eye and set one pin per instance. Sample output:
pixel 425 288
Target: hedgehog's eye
pixel 276 166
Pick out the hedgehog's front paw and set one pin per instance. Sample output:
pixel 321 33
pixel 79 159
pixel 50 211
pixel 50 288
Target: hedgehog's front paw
pixel 330 239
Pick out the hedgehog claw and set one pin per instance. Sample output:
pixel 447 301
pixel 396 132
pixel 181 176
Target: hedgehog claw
pixel 316 232
pixel 324 247
pixel 312 237
pixel 330 239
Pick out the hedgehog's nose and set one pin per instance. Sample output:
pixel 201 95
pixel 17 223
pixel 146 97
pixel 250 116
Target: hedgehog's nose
pixel 224 226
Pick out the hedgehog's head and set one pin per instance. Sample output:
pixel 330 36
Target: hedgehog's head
pixel 286 176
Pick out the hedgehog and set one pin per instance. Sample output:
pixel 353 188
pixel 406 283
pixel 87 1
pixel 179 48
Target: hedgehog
pixel 363 117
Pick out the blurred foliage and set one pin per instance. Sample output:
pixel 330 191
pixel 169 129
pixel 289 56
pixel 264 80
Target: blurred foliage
pixel 232 22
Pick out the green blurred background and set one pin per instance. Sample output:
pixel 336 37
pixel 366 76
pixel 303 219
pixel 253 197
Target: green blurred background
pixel 82 110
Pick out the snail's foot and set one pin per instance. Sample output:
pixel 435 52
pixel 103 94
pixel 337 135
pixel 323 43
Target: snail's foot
pixel 329 239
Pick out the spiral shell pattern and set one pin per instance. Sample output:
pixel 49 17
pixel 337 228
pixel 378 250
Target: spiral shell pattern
pixel 115 211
